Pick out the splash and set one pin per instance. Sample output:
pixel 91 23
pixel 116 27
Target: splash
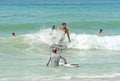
pixel 79 41
pixel 84 41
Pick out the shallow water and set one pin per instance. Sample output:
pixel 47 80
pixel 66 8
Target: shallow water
pixel 24 58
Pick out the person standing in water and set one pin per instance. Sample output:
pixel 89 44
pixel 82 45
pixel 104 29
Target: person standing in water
pixel 55 58
pixel 65 30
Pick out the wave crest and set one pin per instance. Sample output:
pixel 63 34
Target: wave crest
pixel 79 41
pixel 84 41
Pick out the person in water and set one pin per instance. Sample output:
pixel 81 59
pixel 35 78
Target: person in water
pixel 55 58
pixel 53 28
pixel 100 31
pixel 65 30
pixel 13 34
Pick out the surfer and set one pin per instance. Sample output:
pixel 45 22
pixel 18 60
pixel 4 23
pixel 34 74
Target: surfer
pixel 65 30
pixel 13 34
pixel 58 35
pixel 55 58
pixel 100 31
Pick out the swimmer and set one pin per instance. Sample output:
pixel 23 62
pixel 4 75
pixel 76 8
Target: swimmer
pixel 13 34
pixel 53 28
pixel 55 58
pixel 100 31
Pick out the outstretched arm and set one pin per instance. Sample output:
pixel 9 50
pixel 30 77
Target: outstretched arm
pixel 68 36
pixel 65 61
pixel 48 61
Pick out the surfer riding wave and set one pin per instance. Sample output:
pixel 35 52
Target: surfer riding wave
pixel 58 35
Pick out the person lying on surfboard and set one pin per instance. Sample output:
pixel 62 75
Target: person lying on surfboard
pixel 55 58
pixel 65 30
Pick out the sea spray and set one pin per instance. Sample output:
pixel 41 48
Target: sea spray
pixel 79 41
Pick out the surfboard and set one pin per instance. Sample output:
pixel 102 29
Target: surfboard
pixel 58 46
pixel 69 65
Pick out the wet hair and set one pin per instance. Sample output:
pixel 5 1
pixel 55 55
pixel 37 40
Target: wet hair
pixel 53 27
pixel 63 24
pixel 13 33
pixel 54 50
pixel 101 30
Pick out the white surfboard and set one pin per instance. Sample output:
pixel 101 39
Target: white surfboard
pixel 58 46
pixel 69 65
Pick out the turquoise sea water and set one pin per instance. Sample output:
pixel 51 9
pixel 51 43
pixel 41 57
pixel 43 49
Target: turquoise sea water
pixel 23 58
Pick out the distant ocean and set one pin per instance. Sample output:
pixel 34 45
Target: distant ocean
pixel 24 58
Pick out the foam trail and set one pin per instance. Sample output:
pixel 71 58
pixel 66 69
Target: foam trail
pixel 79 41
pixel 84 41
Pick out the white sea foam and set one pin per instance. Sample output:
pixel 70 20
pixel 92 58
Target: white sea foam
pixel 105 77
pixel 79 41
pixel 84 41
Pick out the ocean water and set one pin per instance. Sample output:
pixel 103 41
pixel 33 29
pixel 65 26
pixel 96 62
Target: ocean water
pixel 24 57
